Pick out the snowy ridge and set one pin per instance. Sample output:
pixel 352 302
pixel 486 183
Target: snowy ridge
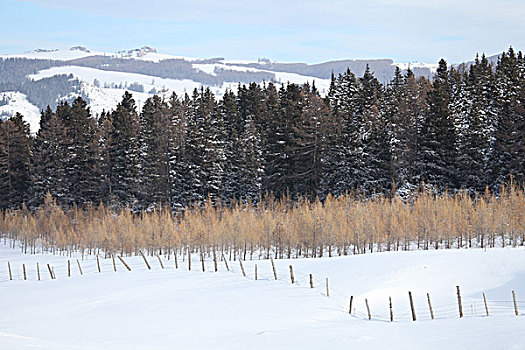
pixel 17 102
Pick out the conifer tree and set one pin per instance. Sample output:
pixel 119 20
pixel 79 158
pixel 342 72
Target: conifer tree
pixel 15 180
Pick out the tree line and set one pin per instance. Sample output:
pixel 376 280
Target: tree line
pixel 462 130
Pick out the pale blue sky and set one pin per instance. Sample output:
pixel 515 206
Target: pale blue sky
pixel 295 30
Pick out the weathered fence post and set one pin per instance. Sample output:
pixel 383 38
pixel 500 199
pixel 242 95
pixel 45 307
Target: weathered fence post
pixel 215 260
pixel 69 268
pixel 79 267
pixel 189 259
pixel 124 263
pixel 24 269
pixel 202 261
pixel 430 306
pixel 175 257
pixel 160 262
pixel 98 264
pixel 460 305
pixel 391 309
pixel 485 301
pixel 327 290
pixel 291 274
pixel 515 303
pixel 114 264
pixel 242 268
pixel 256 272
pixel 368 309
pixel 412 306
pixel 145 260
pixel 9 268
pixel 38 271
pixel 225 262
pixel 311 281
pixel 274 270
pixel 351 301
pixel 50 272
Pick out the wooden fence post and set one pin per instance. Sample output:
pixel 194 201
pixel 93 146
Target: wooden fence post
pixel 9 268
pixel 202 261
pixel 256 272
pixel 145 260
pixel 274 270
pixel 160 262
pixel 391 309
pixel 327 290
pixel 430 306
pixel 79 268
pixel 215 260
pixel 114 263
pixel 311 281
pixel 24 269
pixel 189 259
pixel 485 301
pixel 515 303
pixel 98 264
pixel 412 306
pixel 351 301
pixel 50 272
pixel 291 274
pixel 38 271
pixel 69 268
pixel 176 262
pixel 124 263
pixel 225 262
pixel 242 268
pixel 460 305
pixel 368 309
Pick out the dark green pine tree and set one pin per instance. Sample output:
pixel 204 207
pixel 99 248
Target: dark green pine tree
pixel 375 173
pixel 180 187
pixel 473 134
pixel 15 152
pixel 49 161
pixel 204 144
pixel 233 165
pixel 508 156
pixel 103 138
pixel 124 153
pixel 82 172
pixel 343 155
pixel 436 152
pixel 156 146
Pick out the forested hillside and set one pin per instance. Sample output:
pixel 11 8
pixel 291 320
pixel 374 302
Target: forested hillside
pixel 462 130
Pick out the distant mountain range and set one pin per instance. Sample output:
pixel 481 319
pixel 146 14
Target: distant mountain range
pixel 46 77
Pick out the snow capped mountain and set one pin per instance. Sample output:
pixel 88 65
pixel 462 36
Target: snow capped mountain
pixel 102 77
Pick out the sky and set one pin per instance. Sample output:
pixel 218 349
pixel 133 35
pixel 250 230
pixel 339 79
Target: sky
pixel 282 30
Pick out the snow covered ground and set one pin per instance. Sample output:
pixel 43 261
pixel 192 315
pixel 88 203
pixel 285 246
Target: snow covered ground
pixel 176 308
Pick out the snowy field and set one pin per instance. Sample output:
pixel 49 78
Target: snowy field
pixel 175 308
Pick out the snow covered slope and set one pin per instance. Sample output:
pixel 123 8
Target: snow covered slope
pixel 17 102
pixel 176 308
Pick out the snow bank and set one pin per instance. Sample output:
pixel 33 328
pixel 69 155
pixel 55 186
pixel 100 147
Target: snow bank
pixel 176 308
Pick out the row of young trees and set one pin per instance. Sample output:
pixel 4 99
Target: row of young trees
pixel 278 228
pixel 465 129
